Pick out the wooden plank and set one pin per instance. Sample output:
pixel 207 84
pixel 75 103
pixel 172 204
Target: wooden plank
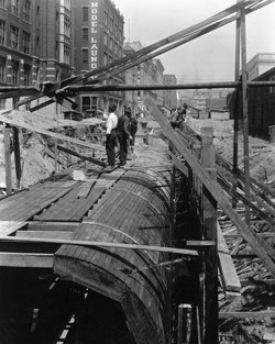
pixel 81 156
pixel 84 189
pixel 256 242
pixel 52 226
pixel 32 202
pixel 179 165
pixel 208 214
pixel 7 155
pixel 44 234
pixel 9 227
pixel 229 276
pixel 17 156
pixel 26 260
pixel 153 248
pixel 247 315
pixel 71 208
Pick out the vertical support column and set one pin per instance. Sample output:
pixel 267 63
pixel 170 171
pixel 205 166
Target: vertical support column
pixel 7 155
pixel 210 255
pixel 245 116
pixel 17 157
pixel 236 105
pixel 16 141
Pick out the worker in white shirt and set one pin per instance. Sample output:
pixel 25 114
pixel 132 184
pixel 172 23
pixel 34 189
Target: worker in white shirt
pixel 111 134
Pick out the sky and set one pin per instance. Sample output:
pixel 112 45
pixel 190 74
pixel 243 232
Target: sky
pixel 207 58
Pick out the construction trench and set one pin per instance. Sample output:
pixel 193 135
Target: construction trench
pixel 136 255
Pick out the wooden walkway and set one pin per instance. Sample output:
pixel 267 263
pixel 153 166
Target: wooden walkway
pixel 128 206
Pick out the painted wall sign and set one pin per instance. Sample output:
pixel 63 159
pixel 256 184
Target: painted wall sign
pixel 94 31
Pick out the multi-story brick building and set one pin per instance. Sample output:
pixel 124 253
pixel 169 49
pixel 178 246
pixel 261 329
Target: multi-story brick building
pixel 147 73
pixel 170 96
pixel 98 42
pixel 35 42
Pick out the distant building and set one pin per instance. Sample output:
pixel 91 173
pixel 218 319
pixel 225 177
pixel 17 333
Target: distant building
pixel 149 72
pixel 259 64
pixel 35 42
pixel 261 105
pixel 98 42
pixel 170 96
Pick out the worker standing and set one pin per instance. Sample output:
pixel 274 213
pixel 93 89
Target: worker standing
pixel 125 137
pixel 111 134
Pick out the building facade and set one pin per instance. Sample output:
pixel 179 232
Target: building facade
pixel 35 42
pixel 261 105
pixel 98 42
pixel 147 73
pixel 170 96
pixel 259 64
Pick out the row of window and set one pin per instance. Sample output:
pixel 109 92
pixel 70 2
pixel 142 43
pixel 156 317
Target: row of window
pixel 15 8
pixel 15 38
pixel 113 27
pixel 107 59
pixel 13 72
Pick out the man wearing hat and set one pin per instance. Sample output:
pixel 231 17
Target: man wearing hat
pixel 124 134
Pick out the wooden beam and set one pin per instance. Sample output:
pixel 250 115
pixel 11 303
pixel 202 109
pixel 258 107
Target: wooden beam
pixel 17 157
pixel 180 251
pixel 52 226
pixel 7 155
pixel 81 156
pixel 45 234
pixel 229 276
pixel 209 232
pixel 179 165
pixel 26 260
pixel 219 196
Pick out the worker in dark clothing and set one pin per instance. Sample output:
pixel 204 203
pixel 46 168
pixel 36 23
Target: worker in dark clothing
pixel 125 136
pixel 179 117
pixel 111 135
pixel 133 128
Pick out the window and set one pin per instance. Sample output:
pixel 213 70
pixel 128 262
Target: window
pixel 111 44
pixel 105 59
pixel 272 88
pixel 67 54
pixel 85 34
pixel 67 26
pixel 14 37
pixel 86 102
pixel 2 32
pixel 85 57
pixel 27 76
pixel 111 24
pixel 85 15
pixel 2 69
pixel 106 18
pixel 26 43
pixel 27 11
pixel 105 39
pixel 3 4
pixel 37 45
pixel 15 7
pixel 14 73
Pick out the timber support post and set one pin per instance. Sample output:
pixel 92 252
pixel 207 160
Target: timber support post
pixel 209 255
pixel 17 156
pixel 7 155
